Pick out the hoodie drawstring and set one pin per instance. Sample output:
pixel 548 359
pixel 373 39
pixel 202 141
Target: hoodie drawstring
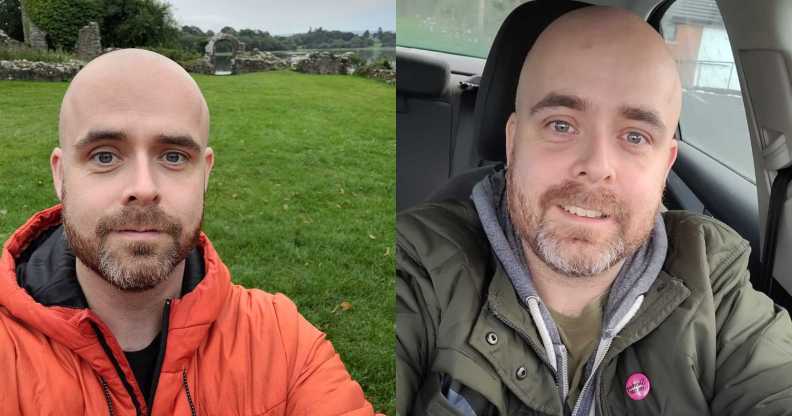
pixel 547 342
pixel 599 356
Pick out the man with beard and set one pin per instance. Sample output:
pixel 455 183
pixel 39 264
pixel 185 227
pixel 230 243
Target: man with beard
pixel 559 288
pixel 116 303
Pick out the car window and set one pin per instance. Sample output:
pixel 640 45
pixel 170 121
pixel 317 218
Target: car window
pixel 458 27
pixel 713 115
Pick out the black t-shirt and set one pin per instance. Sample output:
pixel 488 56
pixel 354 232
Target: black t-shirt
pixel 142 363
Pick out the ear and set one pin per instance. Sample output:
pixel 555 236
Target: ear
pixel 511 132
pixel 208 164
pixel 56 165
pixel 672 154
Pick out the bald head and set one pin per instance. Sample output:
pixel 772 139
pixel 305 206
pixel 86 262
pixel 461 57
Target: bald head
pixel 597 106
pixel 603 44
pixel 132 81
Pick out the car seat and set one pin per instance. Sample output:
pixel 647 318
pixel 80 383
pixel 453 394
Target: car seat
pixel 424 122
pixel 495 99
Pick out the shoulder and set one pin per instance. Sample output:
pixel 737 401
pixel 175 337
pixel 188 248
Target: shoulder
pixel 701 245
pixel 273 309
pixel 14 333
pixel 715 235
pixel 269 320
pixel 443 257
pixel 7 326
pixel 435 233
pixel 15 353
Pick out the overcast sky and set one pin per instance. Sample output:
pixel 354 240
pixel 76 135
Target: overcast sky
pixel 286 16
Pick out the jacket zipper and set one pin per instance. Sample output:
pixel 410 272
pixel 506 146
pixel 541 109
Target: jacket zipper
pixel 160 356
pixel 564 374
pixel 106 390
pixel 599 357
pixel 157 366
pixel 187 392
pixel 117 366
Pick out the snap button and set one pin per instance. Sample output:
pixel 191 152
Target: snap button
pixel 492 338
pixel 521 373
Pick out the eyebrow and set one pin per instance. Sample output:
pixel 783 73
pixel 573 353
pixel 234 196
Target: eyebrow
pixel 184 141
pixel 95 136
pixel 574 102
pixel 643 115
pixel 560 100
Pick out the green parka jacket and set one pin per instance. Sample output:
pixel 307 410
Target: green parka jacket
pixel 707 342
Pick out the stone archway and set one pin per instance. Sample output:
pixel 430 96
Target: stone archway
pixel 221 51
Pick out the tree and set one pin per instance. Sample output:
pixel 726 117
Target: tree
pixel 192 38
pixel 367 34
pixel 128 23
pixel 388 38
pixel 193 30
pixel 62 19
pixel 248 32
pixel 229 30
pixel 11 19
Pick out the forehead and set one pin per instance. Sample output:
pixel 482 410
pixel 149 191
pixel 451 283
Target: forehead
pixel 609 75
pixel 140 110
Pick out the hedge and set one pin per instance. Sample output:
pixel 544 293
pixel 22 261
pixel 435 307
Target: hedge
pixel 62 19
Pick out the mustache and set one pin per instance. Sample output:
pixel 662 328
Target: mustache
pixel 575 193
pixel 132 217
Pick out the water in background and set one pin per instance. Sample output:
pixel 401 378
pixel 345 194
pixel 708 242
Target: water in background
pixel 369 55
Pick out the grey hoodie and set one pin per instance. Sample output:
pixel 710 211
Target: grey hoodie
pixel 633 280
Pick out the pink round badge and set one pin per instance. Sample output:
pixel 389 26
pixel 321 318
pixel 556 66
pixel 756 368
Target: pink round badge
pixel 638 386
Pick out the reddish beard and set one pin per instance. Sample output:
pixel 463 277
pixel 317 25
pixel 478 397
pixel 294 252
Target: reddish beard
pixel 131 266
pixel 550 240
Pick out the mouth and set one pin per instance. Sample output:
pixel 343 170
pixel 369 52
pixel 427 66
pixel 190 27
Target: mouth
pixel 139 233
pixel 138 230
pixel 583 212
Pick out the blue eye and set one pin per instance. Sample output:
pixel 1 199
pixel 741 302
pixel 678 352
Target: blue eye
pixel 636 138
pixel 561 126
pixel 175 158
pixel 103 158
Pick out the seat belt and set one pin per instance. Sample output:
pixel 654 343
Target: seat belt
pixel 778 194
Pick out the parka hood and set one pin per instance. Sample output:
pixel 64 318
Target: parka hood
pixel 38 285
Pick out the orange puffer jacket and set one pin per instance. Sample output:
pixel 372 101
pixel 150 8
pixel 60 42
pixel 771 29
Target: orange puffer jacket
pixel 229 351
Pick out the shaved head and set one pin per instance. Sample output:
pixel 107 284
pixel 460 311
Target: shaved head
pixel 129 78
pixel 595 38
pixel 132 167
pixel 591 142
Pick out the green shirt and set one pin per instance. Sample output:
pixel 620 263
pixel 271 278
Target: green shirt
pixel 580 335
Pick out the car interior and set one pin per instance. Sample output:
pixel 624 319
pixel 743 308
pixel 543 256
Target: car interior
pixel 734 160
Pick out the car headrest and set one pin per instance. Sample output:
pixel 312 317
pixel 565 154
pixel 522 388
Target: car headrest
pixel 495 100
pixel 421 75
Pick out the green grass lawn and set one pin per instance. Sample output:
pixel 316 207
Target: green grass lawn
pixel 301 199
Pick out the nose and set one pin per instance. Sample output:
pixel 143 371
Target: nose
pixel 143 188
pixel 595 163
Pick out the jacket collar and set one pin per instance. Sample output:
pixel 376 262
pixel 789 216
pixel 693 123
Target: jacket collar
pixel 522 347
pixel 663 297
pixel 67 320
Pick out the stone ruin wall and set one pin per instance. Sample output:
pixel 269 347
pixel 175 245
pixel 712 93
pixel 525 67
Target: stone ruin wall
pixel 34 37
pixel 89 42
pixel 88 46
